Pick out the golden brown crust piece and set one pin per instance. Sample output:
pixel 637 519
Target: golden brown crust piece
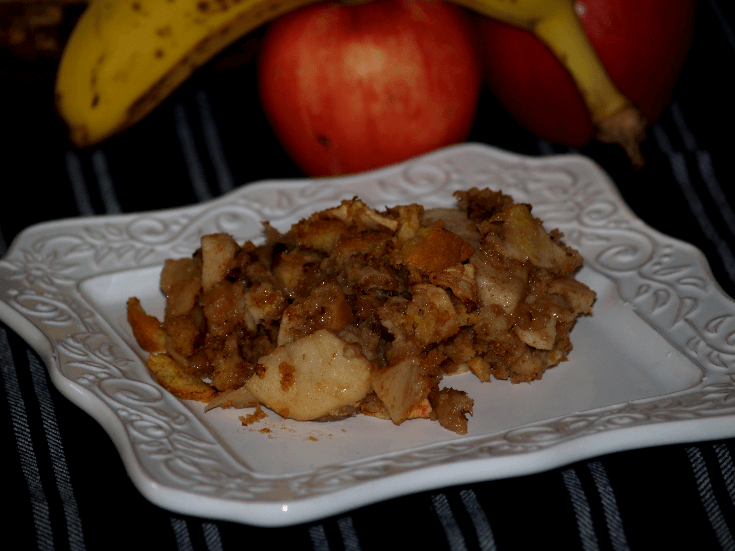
pixel 147 330
pixel 434 249
pixel 174 378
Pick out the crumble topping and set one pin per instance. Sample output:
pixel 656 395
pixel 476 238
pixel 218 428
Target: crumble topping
pixel 355 311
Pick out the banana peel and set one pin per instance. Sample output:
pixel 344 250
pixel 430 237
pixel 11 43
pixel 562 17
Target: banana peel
pixel 124 57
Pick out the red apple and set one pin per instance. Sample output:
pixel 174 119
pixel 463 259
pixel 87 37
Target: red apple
pixel 348 88
pixel 641 43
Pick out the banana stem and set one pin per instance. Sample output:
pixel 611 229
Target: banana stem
pixel 615 118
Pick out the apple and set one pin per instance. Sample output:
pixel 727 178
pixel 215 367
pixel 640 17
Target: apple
pixel 349 88
pixel 642 44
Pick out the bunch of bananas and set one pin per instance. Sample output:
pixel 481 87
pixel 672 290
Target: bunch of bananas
pixel 126 56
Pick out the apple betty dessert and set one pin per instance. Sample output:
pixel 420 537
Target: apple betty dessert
pixel 357 311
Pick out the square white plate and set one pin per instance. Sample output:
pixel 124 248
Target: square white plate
pixel 653 365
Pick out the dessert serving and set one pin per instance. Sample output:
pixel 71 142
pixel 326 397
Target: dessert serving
pixel 359 311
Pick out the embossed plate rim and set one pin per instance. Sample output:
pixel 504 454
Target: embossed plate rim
pixel 666 282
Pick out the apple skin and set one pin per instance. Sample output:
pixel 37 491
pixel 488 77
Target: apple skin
pixel 350 88
pixel 642 44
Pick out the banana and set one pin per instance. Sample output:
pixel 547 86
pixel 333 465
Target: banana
pixel 126 56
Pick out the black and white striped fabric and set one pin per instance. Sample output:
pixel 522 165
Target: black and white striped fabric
pixel 64 485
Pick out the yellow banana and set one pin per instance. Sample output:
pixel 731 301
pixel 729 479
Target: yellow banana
pixel 125 56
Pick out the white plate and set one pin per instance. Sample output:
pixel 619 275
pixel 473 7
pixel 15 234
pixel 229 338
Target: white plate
pixel 653 365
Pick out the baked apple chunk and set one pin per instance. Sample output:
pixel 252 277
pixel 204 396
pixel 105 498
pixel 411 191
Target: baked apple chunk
pixel 315 377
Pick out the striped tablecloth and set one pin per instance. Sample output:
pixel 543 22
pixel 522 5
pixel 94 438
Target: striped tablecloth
pixel 64 482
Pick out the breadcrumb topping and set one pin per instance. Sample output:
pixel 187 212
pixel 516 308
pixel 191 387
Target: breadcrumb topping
pixel 355 311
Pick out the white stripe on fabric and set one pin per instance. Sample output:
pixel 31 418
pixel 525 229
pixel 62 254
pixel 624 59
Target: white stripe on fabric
pixel 485 537
pixel 181 533
pixel 350 539
pixel 78 184
pixel 212 536
pixel 3 244
pixel 727 467
pixel 225 182
pixel 609 506
pixel 56 451
pixel 582 511
pixel 681 175
pixel 449 523
pixel 704 164
pixel 690 142
pixel 662 140
pixel 191 157
pixel 726 28
pixel 106 185
pixel 28 462
pixel 319 538
pixel 709 500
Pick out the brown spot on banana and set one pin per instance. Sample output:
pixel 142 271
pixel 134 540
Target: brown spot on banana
pixel 138 8
pixel 212 6
pixel 163 88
